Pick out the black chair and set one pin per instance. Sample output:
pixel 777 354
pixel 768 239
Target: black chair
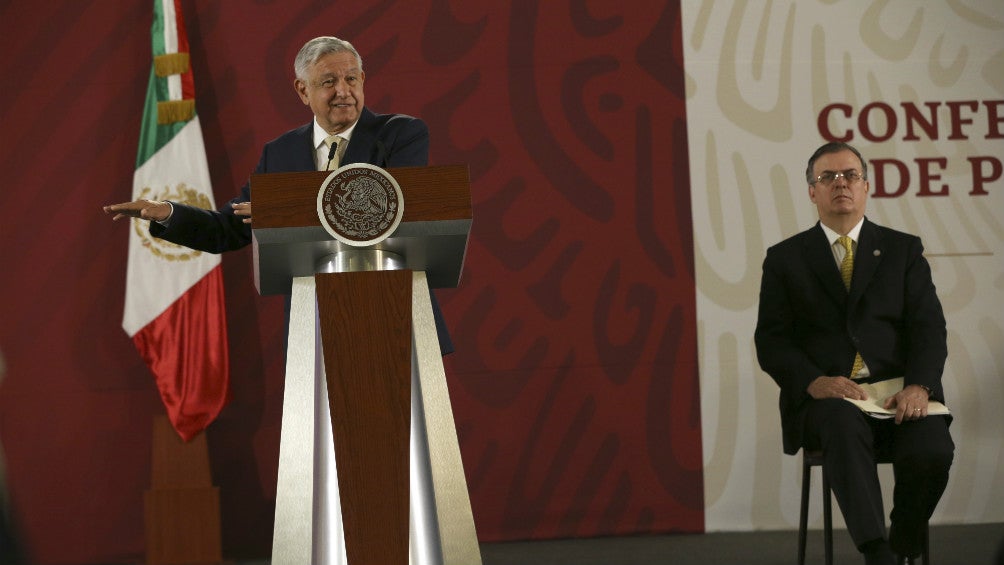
pixel 812 459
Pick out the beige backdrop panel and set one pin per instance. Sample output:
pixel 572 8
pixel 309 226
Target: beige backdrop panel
pixel 759 73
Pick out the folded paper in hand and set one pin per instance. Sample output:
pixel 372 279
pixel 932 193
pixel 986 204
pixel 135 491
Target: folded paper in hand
pixel 879 391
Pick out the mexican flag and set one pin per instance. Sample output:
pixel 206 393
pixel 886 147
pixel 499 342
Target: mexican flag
pixel 174 307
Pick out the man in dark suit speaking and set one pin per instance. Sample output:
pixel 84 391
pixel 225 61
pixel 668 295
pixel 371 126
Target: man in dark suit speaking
pixel 818 335
pixel 329 80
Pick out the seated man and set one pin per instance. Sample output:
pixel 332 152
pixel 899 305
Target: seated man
pixel 845 300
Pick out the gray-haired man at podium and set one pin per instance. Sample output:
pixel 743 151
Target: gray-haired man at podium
pixel 329 80
pixel 317 520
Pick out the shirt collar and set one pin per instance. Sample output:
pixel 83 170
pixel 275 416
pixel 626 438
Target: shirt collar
pixel 833 236
pixel 320 135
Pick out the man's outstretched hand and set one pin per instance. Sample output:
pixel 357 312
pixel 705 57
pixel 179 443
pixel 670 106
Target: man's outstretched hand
pixel 145 209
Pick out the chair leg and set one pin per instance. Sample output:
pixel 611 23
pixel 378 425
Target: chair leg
pixel 827 518
pixel 803 517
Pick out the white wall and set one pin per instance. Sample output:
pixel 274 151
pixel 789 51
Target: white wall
pixel 759 74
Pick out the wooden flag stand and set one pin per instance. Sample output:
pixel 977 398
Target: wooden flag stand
pixel 182 507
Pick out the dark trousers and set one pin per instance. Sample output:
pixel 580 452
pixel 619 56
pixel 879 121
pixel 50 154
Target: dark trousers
pixel 921 452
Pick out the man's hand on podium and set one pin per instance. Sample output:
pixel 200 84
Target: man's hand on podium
pixel 243 209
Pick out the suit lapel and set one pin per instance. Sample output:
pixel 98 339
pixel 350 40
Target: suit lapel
pixel 866 260
pixel 304 160
pixel 819 258
pixel 363 137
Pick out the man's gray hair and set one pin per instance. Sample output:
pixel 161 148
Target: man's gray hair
pixel 319 47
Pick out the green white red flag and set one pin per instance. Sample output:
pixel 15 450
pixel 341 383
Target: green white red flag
pixel 174 307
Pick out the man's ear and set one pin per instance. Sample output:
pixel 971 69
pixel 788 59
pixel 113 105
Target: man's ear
pixel 301 90
pixel 812 194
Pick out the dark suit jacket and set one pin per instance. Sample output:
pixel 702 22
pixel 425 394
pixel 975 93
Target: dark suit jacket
pixel 809 325
pixel 384 140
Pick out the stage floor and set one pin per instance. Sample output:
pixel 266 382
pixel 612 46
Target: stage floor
pixel 950 545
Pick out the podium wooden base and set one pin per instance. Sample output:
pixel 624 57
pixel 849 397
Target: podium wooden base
pixel 406 500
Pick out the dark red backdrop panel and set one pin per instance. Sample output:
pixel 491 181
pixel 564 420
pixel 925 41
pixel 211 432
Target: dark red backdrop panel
pixel 575 379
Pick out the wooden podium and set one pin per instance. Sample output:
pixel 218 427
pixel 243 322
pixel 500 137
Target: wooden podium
pixel 369 464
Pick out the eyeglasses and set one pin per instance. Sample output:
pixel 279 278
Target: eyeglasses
pixel 829 177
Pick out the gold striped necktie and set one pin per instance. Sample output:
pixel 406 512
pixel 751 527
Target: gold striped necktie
pixel 334 143
pixel 846 272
